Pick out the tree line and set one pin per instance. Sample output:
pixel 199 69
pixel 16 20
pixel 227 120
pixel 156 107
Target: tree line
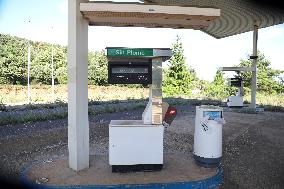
pixel 14 63
pixel 179 78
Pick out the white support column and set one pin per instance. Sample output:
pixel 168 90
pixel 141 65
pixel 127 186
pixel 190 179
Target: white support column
pixel 254 67
pixel 153 113
pixel 29 65
pixel 156 91
pixel 52 74
pixel 78 124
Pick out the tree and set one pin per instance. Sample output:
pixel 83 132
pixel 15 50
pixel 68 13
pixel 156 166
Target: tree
pixel 219 78
pixel 218 88
pixel 98 71
pixel 60 64
pixel 13 63
pixel 41 63
pixel 179 78
pixel 268 79
pixel 282 80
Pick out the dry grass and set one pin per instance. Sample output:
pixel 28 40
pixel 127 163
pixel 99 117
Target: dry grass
pixel 41 96
pixel 267 99
pixel 14 94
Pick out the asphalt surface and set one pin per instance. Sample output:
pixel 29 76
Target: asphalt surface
pixel 253 144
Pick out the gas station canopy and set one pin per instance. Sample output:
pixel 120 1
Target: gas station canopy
pixel 236 16
pixel 151 16
pixel 218 18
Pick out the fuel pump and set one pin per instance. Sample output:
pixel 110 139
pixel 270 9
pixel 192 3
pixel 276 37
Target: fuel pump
pixel 208 135
pixel 137 145
pixel 237 100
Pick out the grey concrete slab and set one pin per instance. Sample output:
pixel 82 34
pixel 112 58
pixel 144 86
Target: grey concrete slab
pixel 178 167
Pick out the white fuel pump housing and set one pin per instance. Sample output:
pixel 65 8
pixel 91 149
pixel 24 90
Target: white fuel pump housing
pixel 208 135
pixel 235 101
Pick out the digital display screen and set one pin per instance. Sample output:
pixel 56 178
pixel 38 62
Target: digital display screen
pixel 236 83
pixel 124 70
pixel 212 114
pixel 130 71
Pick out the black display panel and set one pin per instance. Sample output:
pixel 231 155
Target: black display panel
pixel 129 72
pixel 236 82
pixel 126 70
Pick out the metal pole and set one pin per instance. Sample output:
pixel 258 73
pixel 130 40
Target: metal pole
pixel 29 62
pixel 254 66
pixel 52 74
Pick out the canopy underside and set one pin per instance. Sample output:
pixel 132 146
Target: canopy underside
pixel 236 16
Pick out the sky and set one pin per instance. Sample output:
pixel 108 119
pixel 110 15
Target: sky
pixel 42 21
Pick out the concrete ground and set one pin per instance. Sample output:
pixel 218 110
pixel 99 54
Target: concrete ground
pixel 57 172
pixel 253 144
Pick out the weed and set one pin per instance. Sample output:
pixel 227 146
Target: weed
pixel 2 105
pixel 273 108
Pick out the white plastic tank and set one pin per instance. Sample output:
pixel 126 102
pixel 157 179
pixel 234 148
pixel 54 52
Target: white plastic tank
pixel 208 135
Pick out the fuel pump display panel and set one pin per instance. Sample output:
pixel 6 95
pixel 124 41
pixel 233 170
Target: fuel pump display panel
pixel 129 72
pixel 235 82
